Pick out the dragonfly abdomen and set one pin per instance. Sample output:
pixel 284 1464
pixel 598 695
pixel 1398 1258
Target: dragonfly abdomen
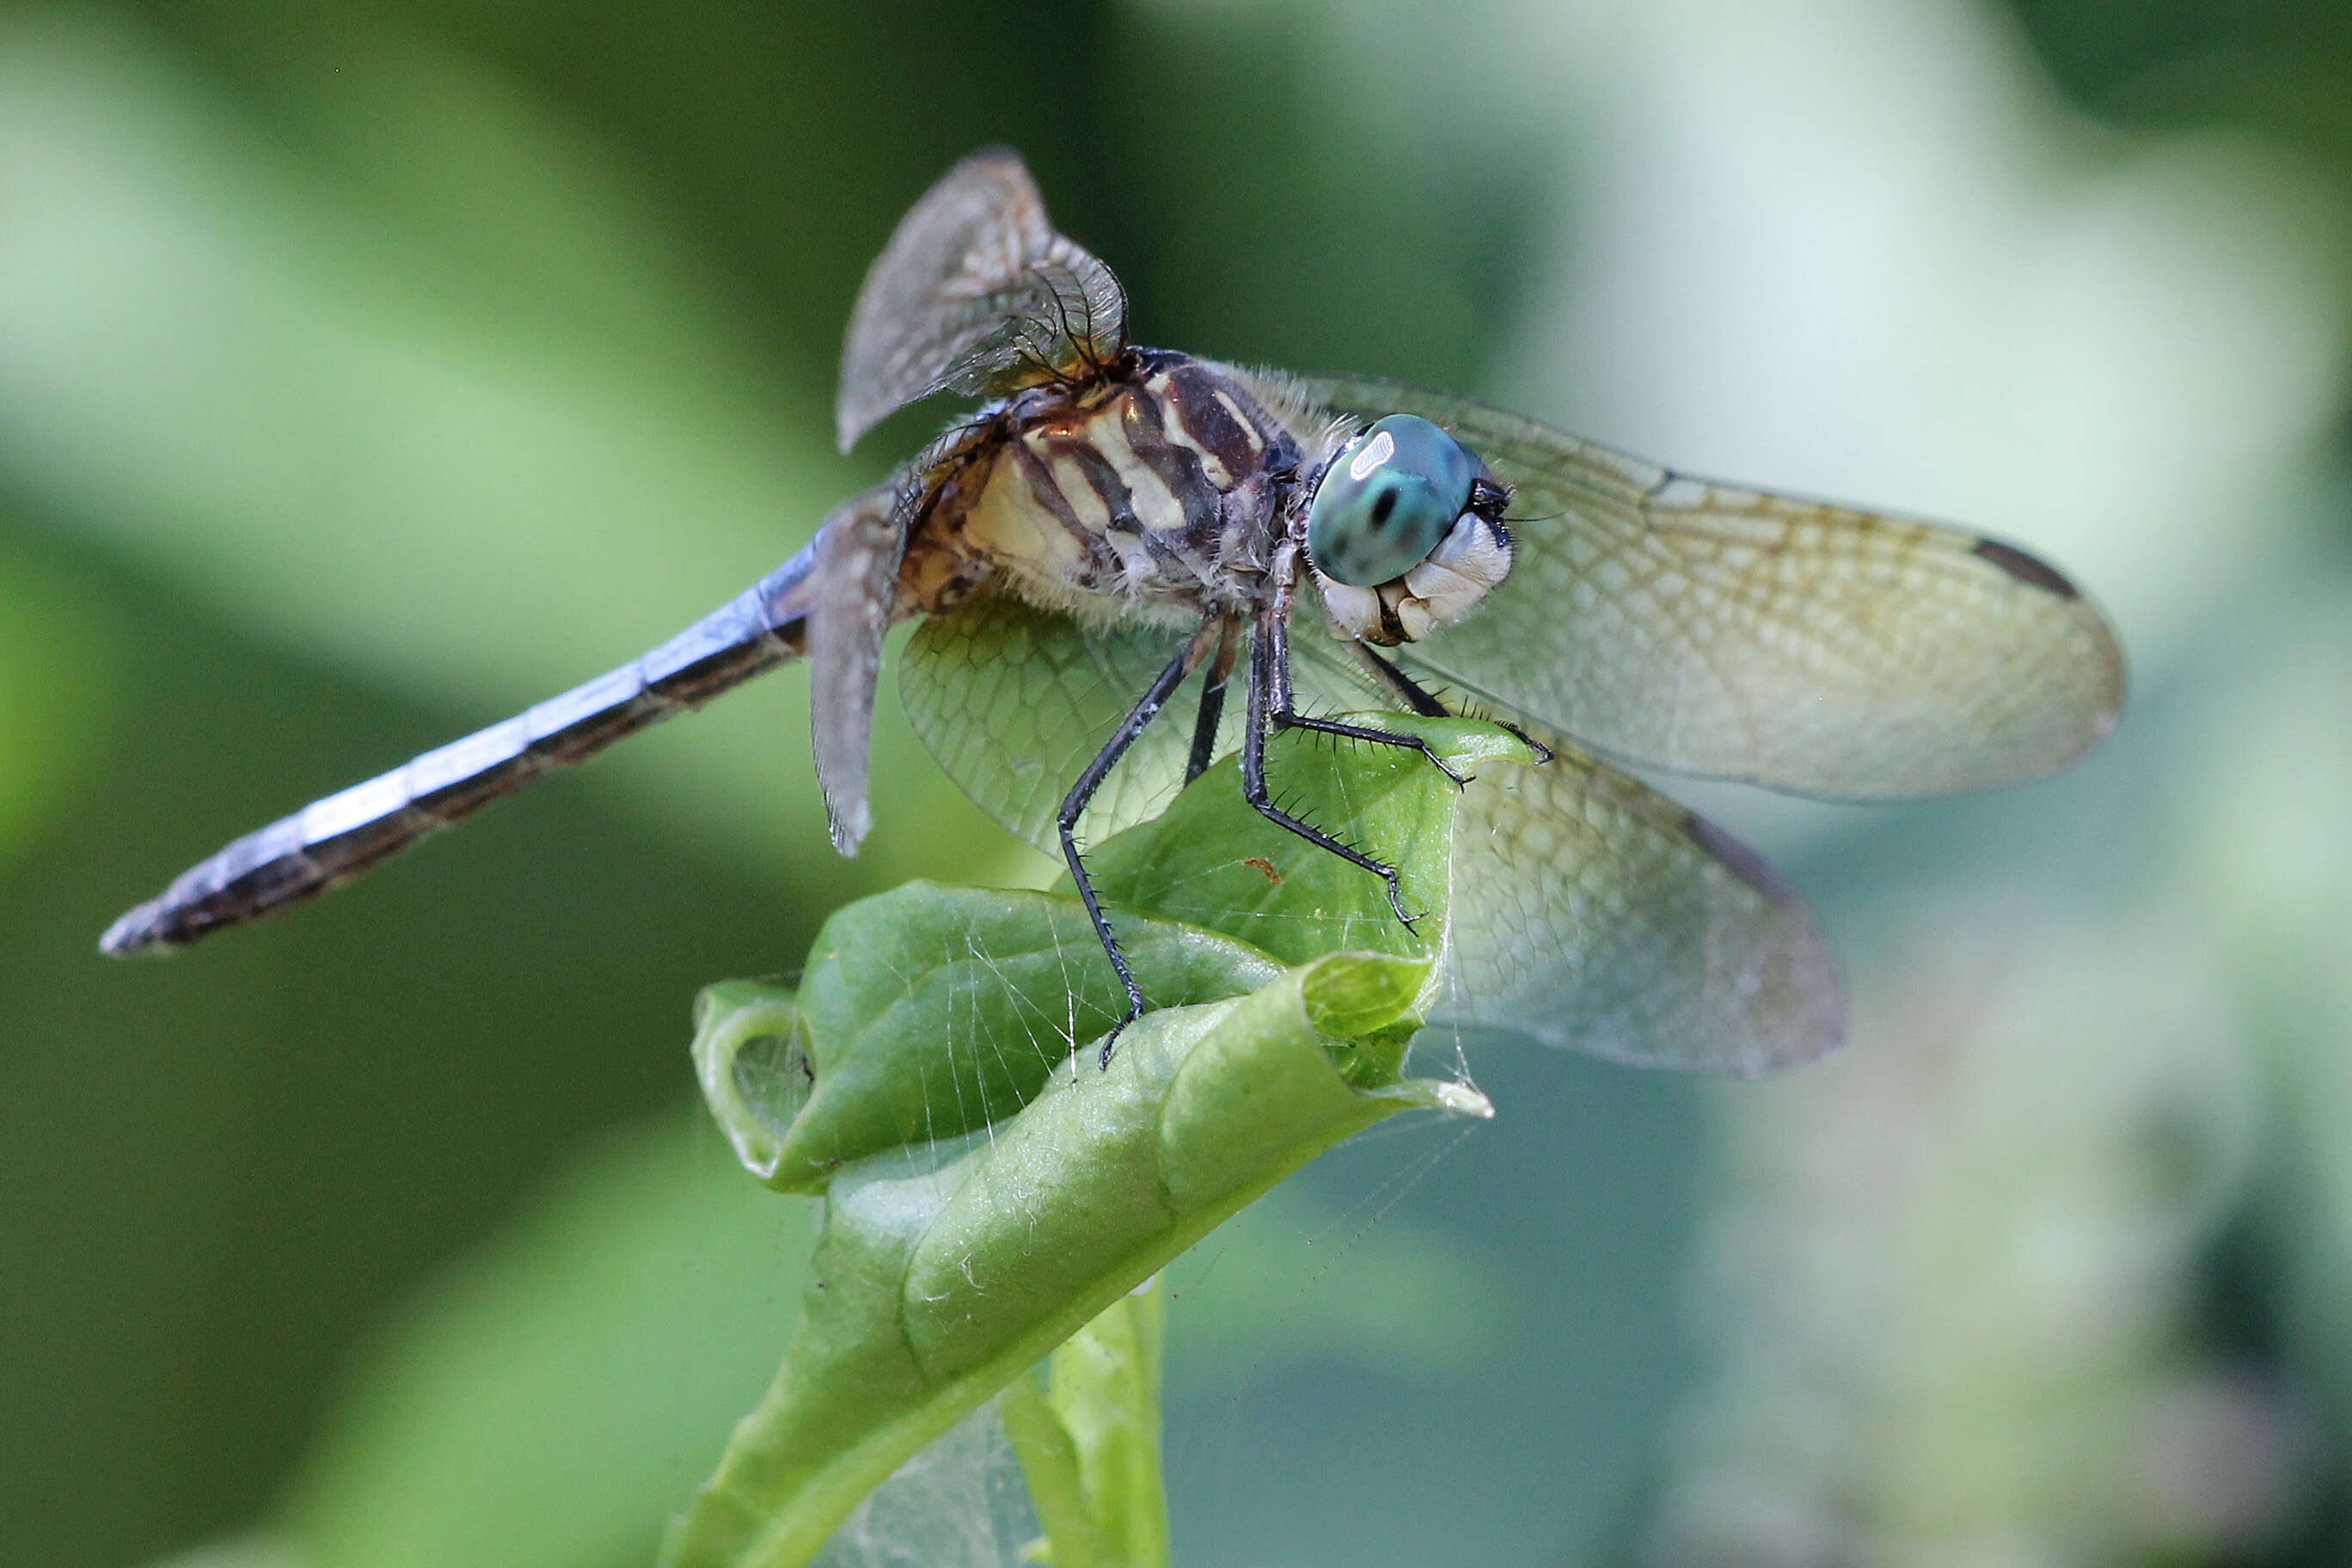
pixel 331 840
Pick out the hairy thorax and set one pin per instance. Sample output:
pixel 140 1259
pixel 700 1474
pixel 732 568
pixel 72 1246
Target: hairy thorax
pixel 1156 492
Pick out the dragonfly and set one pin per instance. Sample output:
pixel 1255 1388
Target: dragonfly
pixel 1119 531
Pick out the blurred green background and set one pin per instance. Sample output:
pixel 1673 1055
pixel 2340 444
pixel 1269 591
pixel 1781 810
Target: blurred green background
pixel 369 371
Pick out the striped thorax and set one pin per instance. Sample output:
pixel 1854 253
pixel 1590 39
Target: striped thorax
pixel 1159 490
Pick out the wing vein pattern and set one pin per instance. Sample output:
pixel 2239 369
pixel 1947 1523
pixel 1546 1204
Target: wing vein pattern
pixel 975 293
pixel 1588 910
pixel 1722 632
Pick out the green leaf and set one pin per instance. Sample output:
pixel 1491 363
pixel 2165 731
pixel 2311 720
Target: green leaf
pixel 942 1275
pixel 967 1233
pixel 927 1012
pixel 1051 1470
pixel 1104 1383
pixel 1211 860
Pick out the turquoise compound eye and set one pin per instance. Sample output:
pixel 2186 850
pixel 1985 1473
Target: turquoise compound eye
pixel 1386 501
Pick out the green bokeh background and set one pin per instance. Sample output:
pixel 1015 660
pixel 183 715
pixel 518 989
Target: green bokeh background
pixel 369 371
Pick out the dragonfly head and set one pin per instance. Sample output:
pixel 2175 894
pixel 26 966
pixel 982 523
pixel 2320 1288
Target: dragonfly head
pixel 1405 532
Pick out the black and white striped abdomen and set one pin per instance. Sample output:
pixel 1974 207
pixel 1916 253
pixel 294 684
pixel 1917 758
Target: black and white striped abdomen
pixel 331 840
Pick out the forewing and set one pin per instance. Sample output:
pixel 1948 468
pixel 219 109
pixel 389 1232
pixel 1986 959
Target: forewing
pixel 1716 631
pixel 975 293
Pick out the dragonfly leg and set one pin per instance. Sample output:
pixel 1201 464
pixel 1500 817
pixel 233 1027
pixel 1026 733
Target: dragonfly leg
pixel 1212 705
pixel 1404 685
pixel 1416 696
pixel 1268 685
pixel 1378 737
pixel 1074 806
pixel 1424 703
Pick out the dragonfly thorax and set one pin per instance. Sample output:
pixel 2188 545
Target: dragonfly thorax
pixel 1156 490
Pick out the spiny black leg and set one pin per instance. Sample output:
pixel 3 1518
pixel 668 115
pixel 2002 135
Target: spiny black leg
pixel 1367 733
pixel 1073 806
pixel 1204 728
pixel 1429 706
pixel 1543 753
pixel 1419 700
pixel 1269 648
pixel 1212 707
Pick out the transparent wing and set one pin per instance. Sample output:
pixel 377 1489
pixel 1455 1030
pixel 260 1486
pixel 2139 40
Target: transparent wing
pixel 1710 630
pixel 1591 912
pixel 1014 702
pixel 1587 911
pixel 975 293
pixel 857 553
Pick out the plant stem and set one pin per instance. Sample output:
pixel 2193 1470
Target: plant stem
pixel 1091 1438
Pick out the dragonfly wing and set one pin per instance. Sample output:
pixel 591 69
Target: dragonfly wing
pixel 975 293
pixel 1727 633
pixel 1014 701
pixel 858 553
pixel 1591 912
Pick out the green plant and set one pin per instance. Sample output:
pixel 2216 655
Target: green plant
pixel 991 1192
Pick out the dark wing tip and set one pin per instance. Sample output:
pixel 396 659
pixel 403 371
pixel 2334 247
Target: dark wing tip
pixel 2028 569
pixel 1740 860
pixel 1815 1023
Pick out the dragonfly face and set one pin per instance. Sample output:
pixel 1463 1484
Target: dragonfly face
pixel 1405 532
pixel 1387 500
pixel 1118 527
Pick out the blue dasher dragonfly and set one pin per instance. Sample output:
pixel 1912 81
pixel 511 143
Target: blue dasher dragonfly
pixel 1117 526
